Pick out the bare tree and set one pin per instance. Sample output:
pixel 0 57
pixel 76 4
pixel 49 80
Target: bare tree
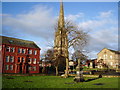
pixel 58 63
pixel 79 55
pixel 77 39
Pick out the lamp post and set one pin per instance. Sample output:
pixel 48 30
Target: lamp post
pixel 79 72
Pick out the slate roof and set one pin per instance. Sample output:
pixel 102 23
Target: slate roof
pixel 116 52
pixel 18 42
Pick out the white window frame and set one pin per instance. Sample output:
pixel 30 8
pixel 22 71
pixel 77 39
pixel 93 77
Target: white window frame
pixel 11 67
pixel 11 58
pixel 23 59
pixel 111 56
pixel 30 51
pixel 35 52
pixel 34 68
pixel 6 67
pixel 23 51
pixel 12 49
pixel 111 63
pixel 20 50
pixel 29 68
pixel 30 60
pixel 7 59
pixel 34 61
pixel 105 56
pixel 8 49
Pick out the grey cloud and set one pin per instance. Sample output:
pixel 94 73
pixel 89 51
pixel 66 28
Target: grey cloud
pixel 38 22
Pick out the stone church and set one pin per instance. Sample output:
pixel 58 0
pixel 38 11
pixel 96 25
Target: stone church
pixel 61 40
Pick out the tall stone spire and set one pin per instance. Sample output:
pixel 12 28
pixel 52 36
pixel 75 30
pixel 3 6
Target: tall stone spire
pixel 61 41
pixel 61 16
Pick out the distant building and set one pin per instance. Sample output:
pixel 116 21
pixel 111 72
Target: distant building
pixel 91 63
pixel 19 56
pixel 109 58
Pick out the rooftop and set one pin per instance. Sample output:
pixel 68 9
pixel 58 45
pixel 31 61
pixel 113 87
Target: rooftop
pixel 18 42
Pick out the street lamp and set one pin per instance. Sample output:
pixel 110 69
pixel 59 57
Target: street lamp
pixel 79 73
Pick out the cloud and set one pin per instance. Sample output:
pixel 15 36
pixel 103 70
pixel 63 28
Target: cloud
pixel 74 17
pixel 4 15
pixel 106 14
pixel 37 22
pixel 103 33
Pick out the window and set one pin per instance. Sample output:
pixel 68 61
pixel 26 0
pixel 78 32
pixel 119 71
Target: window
pixel 105 56
pixel 18 59
pixel 29 60
pixel 23 59
pixel 29 68
pixel 8 49
pixel 99 57
pixel 11 58
pixel 7 58
pixel 29 51
pixel 10 41
pixel 19 50
pixel 11 67
pixel 35 52
pixel 23 50
pixel 111 63
pixel 6 67
pixel 34 61
pixel 34 68
pixel 110 56
pixel 12 49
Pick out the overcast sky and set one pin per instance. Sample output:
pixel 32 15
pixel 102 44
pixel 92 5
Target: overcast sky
pixel 35 22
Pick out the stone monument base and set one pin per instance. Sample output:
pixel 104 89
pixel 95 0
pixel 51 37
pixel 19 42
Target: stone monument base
pixel 79 78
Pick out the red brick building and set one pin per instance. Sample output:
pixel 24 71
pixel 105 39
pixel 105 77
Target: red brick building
pixel 19 56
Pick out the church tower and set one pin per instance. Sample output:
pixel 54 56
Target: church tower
pixel 61 40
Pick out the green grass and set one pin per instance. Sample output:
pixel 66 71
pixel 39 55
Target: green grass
pixel 55 82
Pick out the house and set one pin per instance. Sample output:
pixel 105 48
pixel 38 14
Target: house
pixel 108 58
pixel 91 63
pixel 19 56
pixel 72 64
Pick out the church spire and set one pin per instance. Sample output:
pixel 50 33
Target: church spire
pixel 61 42
pixel 61 16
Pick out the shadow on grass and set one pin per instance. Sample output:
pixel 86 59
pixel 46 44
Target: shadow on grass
pixel 91 79
pixel 10 78
pixel 28 81
pixel 82 81
pixel 100 76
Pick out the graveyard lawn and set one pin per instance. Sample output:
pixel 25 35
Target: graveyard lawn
pixel 56 82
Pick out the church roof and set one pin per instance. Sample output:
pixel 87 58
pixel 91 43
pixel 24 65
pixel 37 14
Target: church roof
pixel 18 42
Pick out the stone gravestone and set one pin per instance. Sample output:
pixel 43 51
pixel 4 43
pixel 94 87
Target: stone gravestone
pixel 79 72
